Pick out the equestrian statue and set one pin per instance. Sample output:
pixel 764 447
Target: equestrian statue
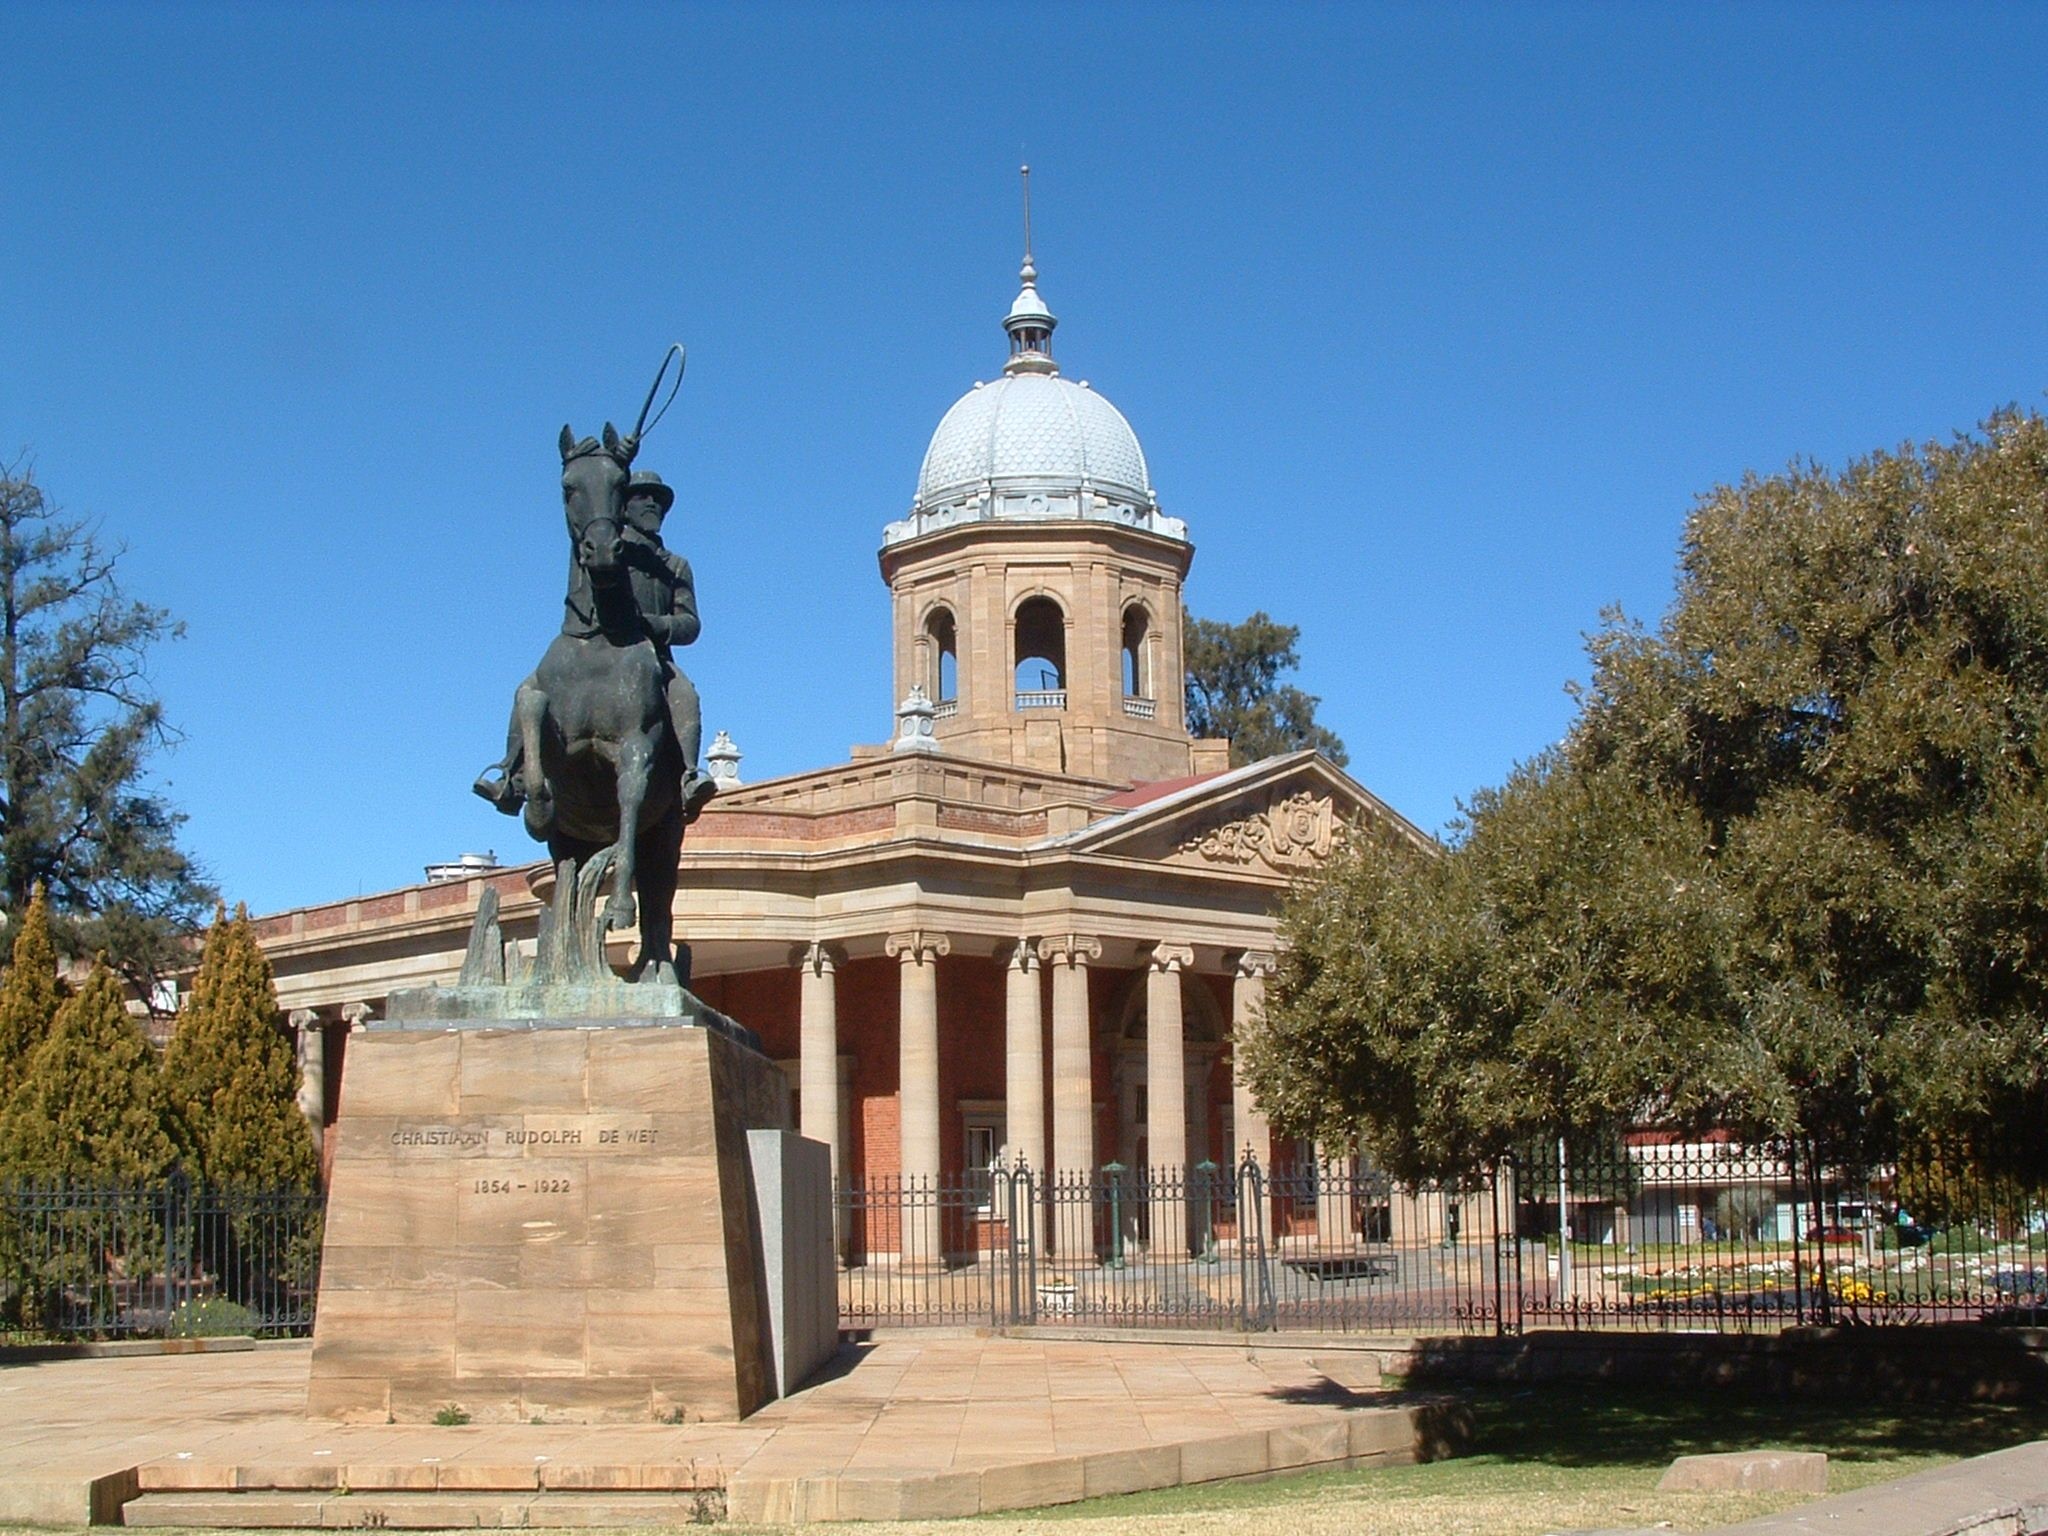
pixel 601 754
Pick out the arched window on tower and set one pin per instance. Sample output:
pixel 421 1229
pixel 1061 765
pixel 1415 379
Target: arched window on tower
pixel 1137 658
pixel 942 657
pixel 1041 669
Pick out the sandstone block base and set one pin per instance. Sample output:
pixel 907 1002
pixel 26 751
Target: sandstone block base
pixel 539 1220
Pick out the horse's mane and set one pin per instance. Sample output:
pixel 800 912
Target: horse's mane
pixel 589 445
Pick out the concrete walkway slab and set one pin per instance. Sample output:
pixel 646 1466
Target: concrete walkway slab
pixel 907 1426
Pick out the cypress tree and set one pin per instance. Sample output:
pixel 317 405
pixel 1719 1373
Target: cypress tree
pixel 231 1074
pixel 29 995
pixel 91 1106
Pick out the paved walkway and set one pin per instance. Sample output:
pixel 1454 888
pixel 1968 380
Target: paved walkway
pixel 912 1425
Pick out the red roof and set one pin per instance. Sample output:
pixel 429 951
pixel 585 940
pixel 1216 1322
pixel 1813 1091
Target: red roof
pixel 1158 789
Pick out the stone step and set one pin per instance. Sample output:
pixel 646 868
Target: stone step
pixel 429 1474
pixel 272 1509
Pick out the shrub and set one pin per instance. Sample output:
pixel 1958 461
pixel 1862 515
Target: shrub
pixel 1742 1213
pixel 211 1317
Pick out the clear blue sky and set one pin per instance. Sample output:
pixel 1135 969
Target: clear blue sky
pixel 1433 321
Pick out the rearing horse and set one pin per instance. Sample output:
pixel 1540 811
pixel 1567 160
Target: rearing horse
pixel 601 766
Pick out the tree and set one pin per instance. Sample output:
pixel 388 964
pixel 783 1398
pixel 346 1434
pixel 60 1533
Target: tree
pixel 30 994
pixel 91 1106
pixel 1234 690
pixel 1784 874
pixel 89 1112
pixel 78 722
pixel 230 1072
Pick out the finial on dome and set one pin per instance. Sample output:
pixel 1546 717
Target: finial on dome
pixel 1027 272
pixel 1029 322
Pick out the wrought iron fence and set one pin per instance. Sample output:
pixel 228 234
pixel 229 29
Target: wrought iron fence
pixel 1660 1233
pixel 87 1260
pixel 1668 1232
pixel 1325 1247
pixel 1645 1231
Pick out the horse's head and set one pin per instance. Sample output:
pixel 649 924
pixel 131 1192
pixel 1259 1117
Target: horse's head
pixel 594 474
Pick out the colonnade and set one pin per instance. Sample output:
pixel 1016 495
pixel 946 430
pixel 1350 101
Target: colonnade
pixel 1070 1094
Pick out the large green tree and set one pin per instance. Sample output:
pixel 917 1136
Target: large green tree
pixel 30 993
pixel 1788 871
pixel 91 1106
pixel 1235 690
pixel 230 1072
pixel 78 722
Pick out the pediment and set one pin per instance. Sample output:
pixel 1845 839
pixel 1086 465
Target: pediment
pixel 1281 818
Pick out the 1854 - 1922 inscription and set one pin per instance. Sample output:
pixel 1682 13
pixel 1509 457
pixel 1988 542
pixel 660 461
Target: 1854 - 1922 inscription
pixel 554 1136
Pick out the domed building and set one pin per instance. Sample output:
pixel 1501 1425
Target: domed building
pixel 1029 924
pixel 1036 582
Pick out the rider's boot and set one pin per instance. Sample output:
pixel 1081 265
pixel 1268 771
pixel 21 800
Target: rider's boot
pixel 504 791
pixel 698 788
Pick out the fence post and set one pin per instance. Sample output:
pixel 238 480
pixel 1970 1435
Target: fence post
pixel 1113 1173
pixel 178 1242
pixel 1253 1277
pixel 1207 1170
pixel 1500 1298
pixel 1823 1302
pixel 1034 1206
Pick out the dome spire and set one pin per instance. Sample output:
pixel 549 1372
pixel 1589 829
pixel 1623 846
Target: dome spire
pixel 1029 322
pixel 1028 272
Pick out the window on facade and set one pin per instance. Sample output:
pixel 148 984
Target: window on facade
pixel 982 1152
pixel 1041 661
pixel 1137 679
pixel 943 650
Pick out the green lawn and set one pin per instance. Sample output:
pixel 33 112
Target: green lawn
pixel 1559 1458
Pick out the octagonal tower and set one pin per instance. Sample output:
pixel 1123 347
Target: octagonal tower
pixel 1036 584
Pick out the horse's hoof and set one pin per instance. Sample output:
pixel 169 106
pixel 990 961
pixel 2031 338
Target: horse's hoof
pixel 620 914
pixel 662 973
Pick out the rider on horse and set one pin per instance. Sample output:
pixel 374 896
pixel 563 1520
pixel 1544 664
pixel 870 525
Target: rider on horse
pixel 667 599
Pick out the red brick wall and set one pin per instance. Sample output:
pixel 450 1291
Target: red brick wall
pixel 767 1002
pixel 868 994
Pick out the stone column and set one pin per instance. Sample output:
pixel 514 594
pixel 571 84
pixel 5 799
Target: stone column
pixel 1247 1002
pixel 1166 1095
pixel 1073 1066
pixel 1024 1075
pixel 1024 1057
pixel 818 1059
pixel 818 1044
pixel 312 1053
pixel 917 1103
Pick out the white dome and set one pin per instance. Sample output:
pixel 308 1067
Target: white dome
pixel 1033 447
pixel 1029 430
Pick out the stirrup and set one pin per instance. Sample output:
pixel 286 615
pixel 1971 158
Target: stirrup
pixel 504 793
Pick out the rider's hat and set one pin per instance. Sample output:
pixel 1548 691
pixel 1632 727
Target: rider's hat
pixel 646 483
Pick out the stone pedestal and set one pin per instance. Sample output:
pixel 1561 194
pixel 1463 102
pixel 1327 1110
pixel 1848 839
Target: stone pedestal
pixel 533 1219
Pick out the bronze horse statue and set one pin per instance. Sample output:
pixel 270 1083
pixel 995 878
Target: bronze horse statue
pixel 598 764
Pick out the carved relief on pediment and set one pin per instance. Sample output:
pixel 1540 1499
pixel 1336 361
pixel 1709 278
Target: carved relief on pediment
pixel 1287 837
